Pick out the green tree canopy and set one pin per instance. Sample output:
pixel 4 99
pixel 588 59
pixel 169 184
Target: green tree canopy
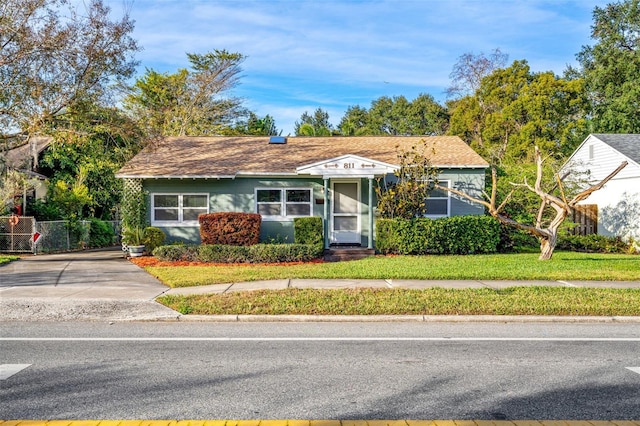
pixel 88 151
pixel 514 110
pixel 314 125
pixel 396 116
pixel 192 102
pixel 254 125
pixel 611 68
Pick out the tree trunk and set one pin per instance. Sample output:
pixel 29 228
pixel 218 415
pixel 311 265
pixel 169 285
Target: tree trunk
pixel 547 245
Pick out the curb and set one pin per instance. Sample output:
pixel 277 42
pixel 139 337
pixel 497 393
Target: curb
pixel 409 318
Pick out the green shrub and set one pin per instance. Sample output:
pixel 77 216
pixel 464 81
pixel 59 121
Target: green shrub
pixel 593 243
pixel 101 234
pixel 451 235
pixel 515 240
pixel 308 230
pixel 153 237
pixel 174 253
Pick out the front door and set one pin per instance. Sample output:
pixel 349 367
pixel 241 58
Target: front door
pixel 345 213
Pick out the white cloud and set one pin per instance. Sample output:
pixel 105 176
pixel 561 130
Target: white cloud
pixel 305 54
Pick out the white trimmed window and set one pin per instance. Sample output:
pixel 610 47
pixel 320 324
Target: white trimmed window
pixel 438 203
pixel 279 203
pixel 182 209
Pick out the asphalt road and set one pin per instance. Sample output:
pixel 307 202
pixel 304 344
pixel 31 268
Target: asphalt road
pixel 175 370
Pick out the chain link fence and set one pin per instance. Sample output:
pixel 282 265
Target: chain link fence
pixel 30 236
pixel 16 234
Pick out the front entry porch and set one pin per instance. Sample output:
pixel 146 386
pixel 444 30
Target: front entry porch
pixel 338 253
pixel 348 203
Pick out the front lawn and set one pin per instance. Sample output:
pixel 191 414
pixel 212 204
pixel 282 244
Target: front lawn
pixel 434 301
pixel 564 266
pixel 6 259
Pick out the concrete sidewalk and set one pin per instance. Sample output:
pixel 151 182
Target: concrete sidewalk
pixel 412 284
pixel 103 285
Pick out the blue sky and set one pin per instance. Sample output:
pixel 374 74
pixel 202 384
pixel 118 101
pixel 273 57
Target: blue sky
pixel 333 54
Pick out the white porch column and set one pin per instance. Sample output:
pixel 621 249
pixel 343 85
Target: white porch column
pixel 325 221
pixel 371 221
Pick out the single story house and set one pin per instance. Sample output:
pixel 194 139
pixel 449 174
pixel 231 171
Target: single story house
pixel 282 178
pixel 618 202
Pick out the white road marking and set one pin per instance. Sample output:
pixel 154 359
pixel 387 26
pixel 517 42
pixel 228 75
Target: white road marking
pixel 320 339
pixel 568 284
pixel 634 369
pixel 8 370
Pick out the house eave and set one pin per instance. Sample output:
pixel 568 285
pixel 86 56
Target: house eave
pixel 178 177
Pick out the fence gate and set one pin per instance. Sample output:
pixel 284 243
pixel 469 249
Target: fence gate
pixel 585 216
pixel 16 234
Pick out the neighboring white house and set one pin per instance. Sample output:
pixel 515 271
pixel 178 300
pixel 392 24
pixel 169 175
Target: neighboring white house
pixel 619 200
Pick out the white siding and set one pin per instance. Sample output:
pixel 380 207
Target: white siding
pixel 605 160
pixel 599 159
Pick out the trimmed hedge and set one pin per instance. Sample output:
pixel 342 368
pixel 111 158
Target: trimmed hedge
pixel 449 235
pixel 230 228
pixel 308 230
pixel 258 253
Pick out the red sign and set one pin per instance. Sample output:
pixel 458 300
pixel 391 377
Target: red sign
pixel 36 237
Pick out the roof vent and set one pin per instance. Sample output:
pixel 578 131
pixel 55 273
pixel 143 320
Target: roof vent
pixel 278 139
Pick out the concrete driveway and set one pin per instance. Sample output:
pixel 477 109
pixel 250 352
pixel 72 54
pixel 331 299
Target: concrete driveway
pixel 93 284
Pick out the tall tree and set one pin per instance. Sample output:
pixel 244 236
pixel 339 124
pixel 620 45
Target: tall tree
pixel 515 109
pixel 190 102
pixel 611 67
pixel 314 125
pixel 53 54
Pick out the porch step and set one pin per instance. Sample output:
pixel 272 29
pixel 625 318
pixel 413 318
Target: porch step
pixel 338 254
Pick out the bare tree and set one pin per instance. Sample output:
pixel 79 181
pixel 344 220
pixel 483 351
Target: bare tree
pixel 470 69
pixel 545 232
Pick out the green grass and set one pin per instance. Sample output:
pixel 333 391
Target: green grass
pixel 435 301
pixel 563 266
pixel 6 259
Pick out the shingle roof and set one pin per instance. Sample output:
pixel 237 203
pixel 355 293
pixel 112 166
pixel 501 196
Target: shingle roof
pixel 231 156
pixel 19 157
pixel 627 144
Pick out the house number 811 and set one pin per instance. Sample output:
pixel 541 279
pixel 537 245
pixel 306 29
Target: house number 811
pixel 349 165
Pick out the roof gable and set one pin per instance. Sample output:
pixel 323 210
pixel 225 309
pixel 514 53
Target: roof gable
pixel 347 165
pixel 218 157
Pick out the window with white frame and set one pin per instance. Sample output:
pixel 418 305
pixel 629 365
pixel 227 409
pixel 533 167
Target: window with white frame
pixel 167 209
pixel 437 203
pixel 278 203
